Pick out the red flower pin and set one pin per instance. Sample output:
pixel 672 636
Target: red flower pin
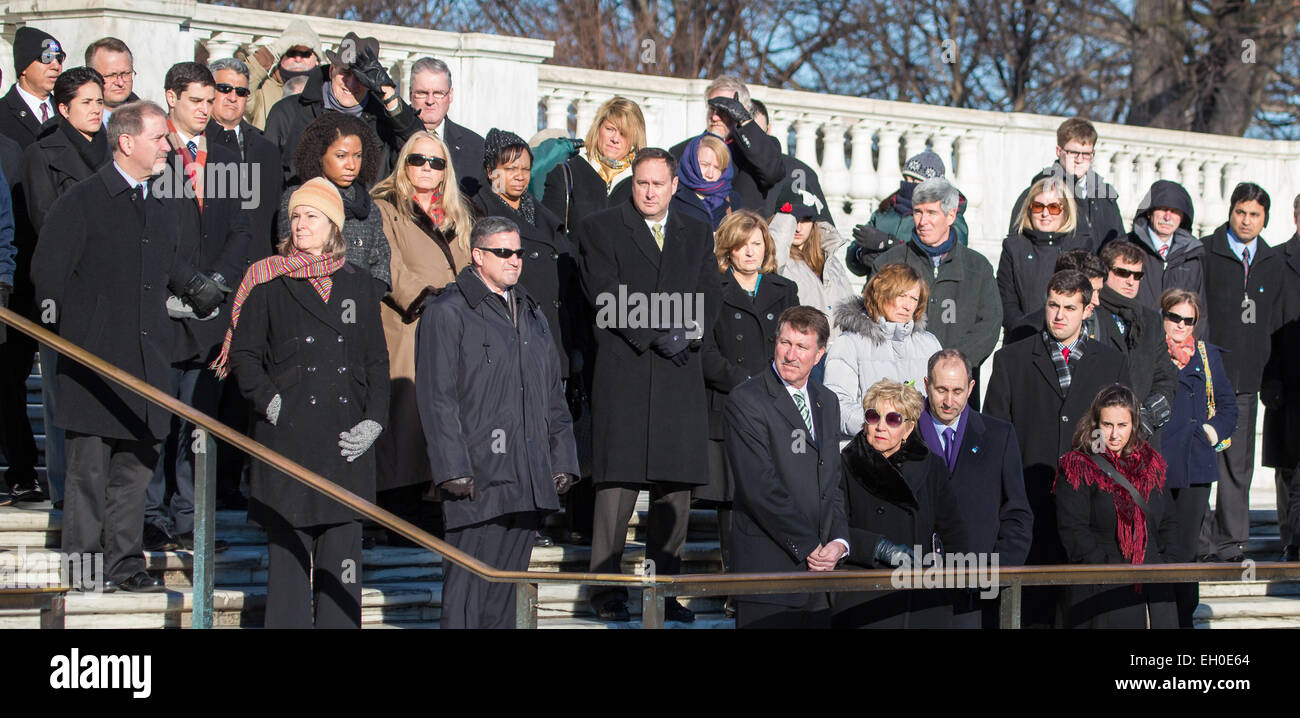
pixel 787 207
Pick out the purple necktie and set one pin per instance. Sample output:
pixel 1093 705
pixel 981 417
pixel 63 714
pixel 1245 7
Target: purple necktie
pixel 949 448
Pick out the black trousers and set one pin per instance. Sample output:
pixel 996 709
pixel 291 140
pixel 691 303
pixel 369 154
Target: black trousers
pixel 170 498
pixel 1190 506
pixel 814 614
pixel 318 565
pixel 1226 532
pixel 105 495
pixel 670 511
pixel 16 439
pixel 1288 506
pixel 505 542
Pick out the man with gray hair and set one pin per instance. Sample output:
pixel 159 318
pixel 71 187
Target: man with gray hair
pixel 488 380
pixel 431 96
pixel 965 312
pixel 757 160
pixel 259 156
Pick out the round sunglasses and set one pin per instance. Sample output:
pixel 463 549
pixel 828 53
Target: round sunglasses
pixel 893 419
pixel 1053 209
pixel 418 160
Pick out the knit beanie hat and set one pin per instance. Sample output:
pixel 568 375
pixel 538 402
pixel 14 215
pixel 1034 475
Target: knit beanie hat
pixel 924 166
pixel 320 194
pixel 30 43
pixel 499 140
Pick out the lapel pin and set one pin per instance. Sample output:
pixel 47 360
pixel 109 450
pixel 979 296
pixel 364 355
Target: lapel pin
pixel 974 449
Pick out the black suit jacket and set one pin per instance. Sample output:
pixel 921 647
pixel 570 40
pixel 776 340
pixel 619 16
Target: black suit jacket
pixel 466 147
pixel 262 160
pixel 1024 391
pixel 1242 330
pixel 16 119
pixel 788 498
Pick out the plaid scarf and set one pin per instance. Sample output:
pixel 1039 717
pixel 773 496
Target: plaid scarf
pixel 193 166
pixel 1181 352
pixel 298 265
pixel 1058 357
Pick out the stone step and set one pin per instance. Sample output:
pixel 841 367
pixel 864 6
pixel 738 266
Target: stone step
pixel 1245 623
pixel 1214 609
pixel 1229 589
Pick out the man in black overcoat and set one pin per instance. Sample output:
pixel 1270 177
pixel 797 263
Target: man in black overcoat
pixel 1044 385
pixel 1280 394
pixel 653 279
pixel 110 281
pixel 259 156
pixel 983 455
pixel 789 505
pixel 492 404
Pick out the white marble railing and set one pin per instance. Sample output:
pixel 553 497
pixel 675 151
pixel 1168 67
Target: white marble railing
pixel 501 82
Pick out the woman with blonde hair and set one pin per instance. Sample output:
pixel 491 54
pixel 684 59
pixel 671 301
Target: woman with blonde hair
pixel 704 190
pixel 427 223
pixel 601 175
pixel 1044 230
pixel 882 337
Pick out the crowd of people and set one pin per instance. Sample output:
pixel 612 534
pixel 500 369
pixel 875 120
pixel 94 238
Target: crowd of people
pixel 443 322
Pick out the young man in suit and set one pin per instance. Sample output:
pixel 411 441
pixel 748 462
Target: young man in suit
pixel 983 456
pixel 782 443
pixel 1045 381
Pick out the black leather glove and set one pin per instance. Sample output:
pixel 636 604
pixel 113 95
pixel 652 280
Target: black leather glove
pixel 868 244
pixel 371 73
pixel 563 482
pixel 5 291
pixel 1155 413
pixel 671 343
pixel 732 109
pixel 575 394
pixel 894 554
pixel 459 488
pixel 203 294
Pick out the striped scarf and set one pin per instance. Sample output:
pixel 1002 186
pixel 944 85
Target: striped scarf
pixel 299 265
pixel 194 166
pixel 1059 359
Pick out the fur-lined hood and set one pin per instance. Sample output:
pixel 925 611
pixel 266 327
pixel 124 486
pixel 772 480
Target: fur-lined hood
pixel 851 316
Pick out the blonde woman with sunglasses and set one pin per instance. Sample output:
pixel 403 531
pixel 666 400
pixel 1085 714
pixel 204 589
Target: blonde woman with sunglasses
pixel 1045 229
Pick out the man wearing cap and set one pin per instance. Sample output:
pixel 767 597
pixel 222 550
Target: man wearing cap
pixel 293 54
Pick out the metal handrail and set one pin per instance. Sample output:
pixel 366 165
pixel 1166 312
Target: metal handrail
pixel 655 588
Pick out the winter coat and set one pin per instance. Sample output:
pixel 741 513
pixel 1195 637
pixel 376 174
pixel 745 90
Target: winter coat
pixel 1280 387
pixel 1099 219
pixel 51 165
pixel 757 160
pixel 825 292
pixel 688 203
pixel 1085 509
pixel 650 416
pixel 268 89
pixel 907 498
pixel 261 160
pixel 423 261
pixel 492 402
pixel 19 128
pixel 466 147
pixel 964 307
pixel 869 350
pixel 574 190
pixel 1243 329
pixel 889 220
pixel 794 170
pixel 1027 264
pixel 1150 370
pixel 367 245
pixel 1183 443
pixel 330 373
pixel 1183 265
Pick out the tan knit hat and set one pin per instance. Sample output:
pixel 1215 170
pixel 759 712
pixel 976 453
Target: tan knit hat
pixel 319 193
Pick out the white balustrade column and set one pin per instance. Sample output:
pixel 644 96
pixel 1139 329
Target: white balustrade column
pixel 862 174
pixel 914 141
pixel 1168 165
pixel 224 44
pixel 1146 171
pixel 1191 175
pixel 779 127
pixel 1208 203
pixel 1121 179
pixel 805 131
pixel 967 173
pixel 586 115
pixel 834 173
pixel 889 172
pixel 557 110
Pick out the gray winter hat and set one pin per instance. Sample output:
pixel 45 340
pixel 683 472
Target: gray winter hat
pixel 924 166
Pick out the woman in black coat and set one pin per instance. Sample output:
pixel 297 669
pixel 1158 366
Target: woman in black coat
pixel 307 348
pixel 1102 521
pixel 742 343
pixel 69 149
pixel 601 176
pixel 1046 229
pixel 897 495
pixel 1200 425
pixel 704 191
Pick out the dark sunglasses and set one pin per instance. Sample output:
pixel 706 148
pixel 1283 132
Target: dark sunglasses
pixel 1126 273
pixel 893 419
pixel 436 163
pixel 504 253
pixel 300 54
pixel 226 89
pixel 1179 319
pixel 1053 209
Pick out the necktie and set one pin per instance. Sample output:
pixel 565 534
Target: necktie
pixel 45 113
pixel 193 148
pixel 659 236
pixel 1164 250
pixel 1245 261
pixel 802 405
pixel 949 445
pixel 1065 354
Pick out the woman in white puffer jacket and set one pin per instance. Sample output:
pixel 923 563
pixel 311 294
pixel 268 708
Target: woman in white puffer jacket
pixel 882 336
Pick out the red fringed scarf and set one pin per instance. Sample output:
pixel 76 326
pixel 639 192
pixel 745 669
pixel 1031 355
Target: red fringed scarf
pixel 1144 468
pixel 298 265
pixel 435 212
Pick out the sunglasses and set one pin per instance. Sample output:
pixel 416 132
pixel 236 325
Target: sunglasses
pixel 299 54
pixel 1126 273
pixel 416 160
pixel 504 253
pixel 1179 319
pixel 893 419
pixel 226 89
pixel 1053 209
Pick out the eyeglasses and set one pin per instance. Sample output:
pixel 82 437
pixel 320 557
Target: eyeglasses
pixel 1126 273
pixel 417 160
pixel 299 54
pixel 504 253
pixel 1179 319
pixel 1053 209
pixel 893 419
pixel 437 95
pixel 226 89
pixel 120 76
pixel 1078 155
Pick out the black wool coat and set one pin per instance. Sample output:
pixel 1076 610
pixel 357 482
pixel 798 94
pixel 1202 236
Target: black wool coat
pixel 261 162
pixel 492 401
pixel 1025 268
pixel 757 160
pixel 19 128
pixel 788 496
pixel 1280 387
pixel 1184 268
pixel 329 364
pixel 108 262
pixel 909 499
pixel 51 165
pixel 1099 218
pixel 550 274
pixel 466 148
pixel 794 170
pixel 17 121
pixel 290 116
pixel 1150 369
pixel 574 191
pixel 1024 390
pixel 1242 328
pixel 650 415
pixel 989 481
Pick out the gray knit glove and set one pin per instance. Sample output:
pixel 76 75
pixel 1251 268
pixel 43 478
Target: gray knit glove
pixel 273 409
pixel 356 440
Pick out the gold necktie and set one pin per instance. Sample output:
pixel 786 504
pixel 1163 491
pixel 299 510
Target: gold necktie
pixel 659 236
